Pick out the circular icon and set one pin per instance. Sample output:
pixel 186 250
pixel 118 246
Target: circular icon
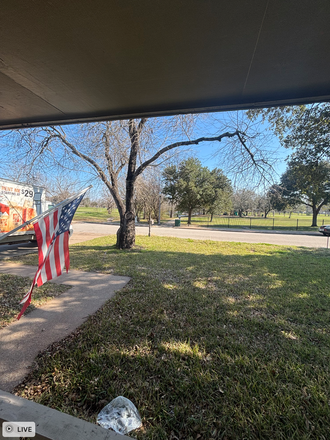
pixel 9 428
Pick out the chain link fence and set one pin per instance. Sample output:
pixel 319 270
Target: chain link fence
pixel 271 223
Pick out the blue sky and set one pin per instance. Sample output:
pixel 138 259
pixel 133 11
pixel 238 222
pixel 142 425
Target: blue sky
pixel 212 124
pixel 204 154
pixel 263 140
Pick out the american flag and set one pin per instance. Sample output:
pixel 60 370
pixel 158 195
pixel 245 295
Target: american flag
pixel 52 233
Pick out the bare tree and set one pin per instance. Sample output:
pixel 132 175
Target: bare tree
pixel 120 150
pixel 147 196
pixel 244 200
pixel 264 204
pixel 106 200
pixel 60 188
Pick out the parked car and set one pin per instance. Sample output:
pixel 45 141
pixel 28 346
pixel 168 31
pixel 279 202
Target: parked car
pixel 325 229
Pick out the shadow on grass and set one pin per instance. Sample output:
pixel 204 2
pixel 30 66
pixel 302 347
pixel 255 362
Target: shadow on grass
pixel 208 342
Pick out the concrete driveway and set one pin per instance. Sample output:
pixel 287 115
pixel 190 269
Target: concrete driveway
pixel 87 231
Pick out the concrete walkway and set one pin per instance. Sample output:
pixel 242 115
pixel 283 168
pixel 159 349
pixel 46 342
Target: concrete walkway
pixel 21 341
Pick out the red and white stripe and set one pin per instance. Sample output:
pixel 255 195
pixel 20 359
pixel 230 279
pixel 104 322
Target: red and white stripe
pixel 53 253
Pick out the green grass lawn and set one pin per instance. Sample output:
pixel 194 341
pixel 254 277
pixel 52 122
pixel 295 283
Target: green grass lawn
pixel 97 215
pixel 210 340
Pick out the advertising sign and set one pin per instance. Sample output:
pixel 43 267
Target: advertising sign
pixel 16 205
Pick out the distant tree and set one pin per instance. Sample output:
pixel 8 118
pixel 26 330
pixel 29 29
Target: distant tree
pixel 170 176
pixel 61 188
pixel 281 119
pixel 218 193
pixel 326 209
pixel 307 183
pixel 139 199
pixel 191 182
pixel 272 200
pixel 109 203
pixel 305 129
pixel 275 197
pixel 244 200
pixel 192 186
pixel 147 196
pixel 263 204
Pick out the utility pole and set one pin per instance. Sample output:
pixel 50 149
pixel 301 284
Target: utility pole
pixel 160 203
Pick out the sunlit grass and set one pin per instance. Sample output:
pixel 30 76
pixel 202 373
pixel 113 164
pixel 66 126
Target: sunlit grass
pixel 209 340
pixel 97 215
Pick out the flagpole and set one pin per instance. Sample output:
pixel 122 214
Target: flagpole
pixel 34 219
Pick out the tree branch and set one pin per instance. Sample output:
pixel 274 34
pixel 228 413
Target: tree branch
pixel 144 165
pixel 88 159
pixel 255 163
pixel 106 150
pixel 141 124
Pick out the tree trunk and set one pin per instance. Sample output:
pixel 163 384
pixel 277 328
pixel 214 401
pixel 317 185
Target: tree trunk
pixel 189 216
pixel 211 217
pixel 149 225
pixel 171 212
pixel 314 222
pixel 315 213
pixel 126 232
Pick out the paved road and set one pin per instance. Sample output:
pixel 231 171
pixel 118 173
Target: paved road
pixel 86 231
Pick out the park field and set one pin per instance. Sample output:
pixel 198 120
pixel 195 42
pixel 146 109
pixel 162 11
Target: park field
pixel 301 222
pixel 97 215
pixel 210 340
pixel 278 222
